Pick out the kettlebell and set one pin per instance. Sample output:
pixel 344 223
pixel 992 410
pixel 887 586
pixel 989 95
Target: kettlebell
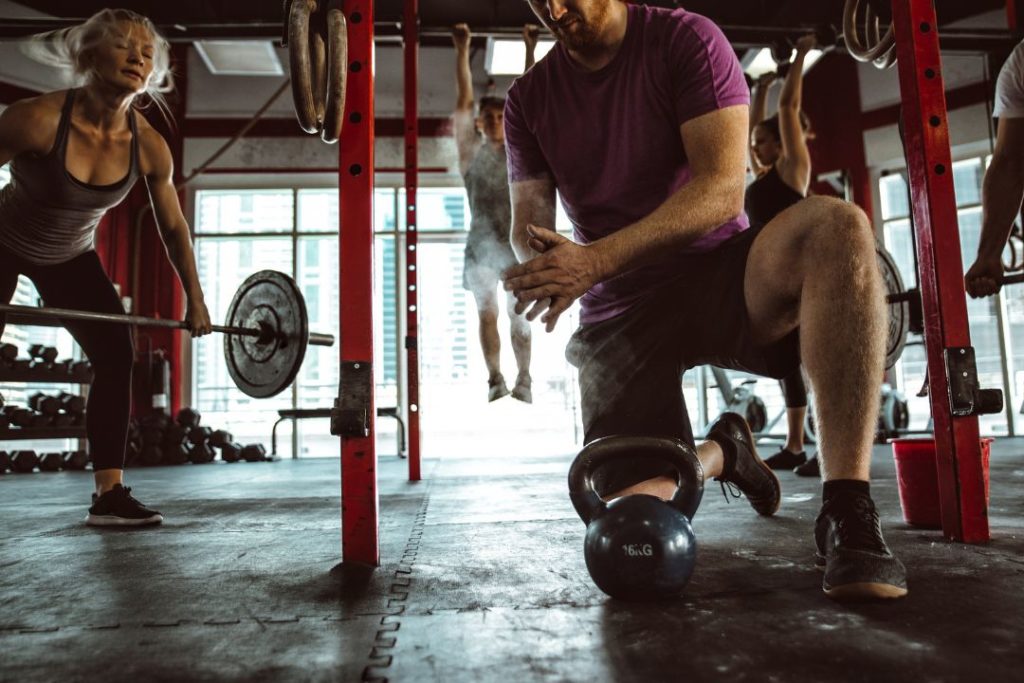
pixel 638 547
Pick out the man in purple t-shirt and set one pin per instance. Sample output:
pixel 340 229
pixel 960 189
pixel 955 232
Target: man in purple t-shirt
pixel 638 118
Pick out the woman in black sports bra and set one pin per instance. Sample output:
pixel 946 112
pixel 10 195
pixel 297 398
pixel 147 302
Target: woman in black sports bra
pixel 782 164
pixel 75 154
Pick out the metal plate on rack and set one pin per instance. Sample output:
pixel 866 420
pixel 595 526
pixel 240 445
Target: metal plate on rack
pixel 898 313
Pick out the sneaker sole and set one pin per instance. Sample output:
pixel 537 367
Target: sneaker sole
pixel 764 466
pixel 865 591
pixel 111 520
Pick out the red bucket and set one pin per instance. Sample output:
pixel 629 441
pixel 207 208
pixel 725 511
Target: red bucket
pixel 918 478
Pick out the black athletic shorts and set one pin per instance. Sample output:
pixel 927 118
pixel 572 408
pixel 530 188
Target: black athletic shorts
pixel 631 366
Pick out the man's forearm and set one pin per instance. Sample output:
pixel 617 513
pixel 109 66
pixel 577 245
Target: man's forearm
pixel 696 209
pixel 1002 193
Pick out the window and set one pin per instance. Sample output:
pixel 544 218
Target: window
pixel 983 314
pixel 294 231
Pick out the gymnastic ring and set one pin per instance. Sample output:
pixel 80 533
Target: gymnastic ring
pixel 301 62
pixel 337 72
pixel 881 49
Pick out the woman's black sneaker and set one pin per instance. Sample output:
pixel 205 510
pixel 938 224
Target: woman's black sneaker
pixel 786 459
pixel 743 468
pixel 811 468
pixel 858 564
pixel 116 507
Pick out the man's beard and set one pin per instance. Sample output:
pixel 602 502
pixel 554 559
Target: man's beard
pixel 580 35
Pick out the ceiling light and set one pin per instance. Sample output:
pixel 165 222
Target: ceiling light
pixel 239 57
pixel 507 57
pixel 762 62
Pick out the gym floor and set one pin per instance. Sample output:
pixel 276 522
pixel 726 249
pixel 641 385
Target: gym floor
pixel 482 579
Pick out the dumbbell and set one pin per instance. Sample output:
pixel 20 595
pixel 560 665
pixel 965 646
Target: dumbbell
pixel 188 417
pixel 41 403
pixel 40 421
pixel 175 454
pixel 81 369
pixel 76 460
pixel 5 423
pixel 132 453
pixel 201 453
pixel 61 367
pixel 254 452
pixel 20 364
pixel 220 438
pixel 5 461
pixel 152 435
pixel 18 416
pixel 71 403
pixel 175 434
pixel 230 452
pixel 199 435
pixel 8 353
pixel 24 461
pixel 51 462
pixel 151 454
pixel 63 420
pixel 45 354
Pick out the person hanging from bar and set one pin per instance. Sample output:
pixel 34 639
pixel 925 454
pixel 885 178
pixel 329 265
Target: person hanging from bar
pixel 651 171
pixel 74 155
pixel 781 162
pixel 1003 187
pixel 480 141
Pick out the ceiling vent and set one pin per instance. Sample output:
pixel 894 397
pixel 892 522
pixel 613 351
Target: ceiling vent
pixel 240 58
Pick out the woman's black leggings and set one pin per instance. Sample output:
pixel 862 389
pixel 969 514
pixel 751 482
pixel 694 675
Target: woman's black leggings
pixel 794 391
pixel 81 283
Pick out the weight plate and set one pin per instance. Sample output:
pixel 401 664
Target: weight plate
pixel 265 367
pixel 899 313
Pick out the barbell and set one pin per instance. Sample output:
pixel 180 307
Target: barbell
pixel 266 331
pixel 899 300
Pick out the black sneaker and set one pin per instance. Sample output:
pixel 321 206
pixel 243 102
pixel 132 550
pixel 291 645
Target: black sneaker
pixel 116 507
pixel 811 468
pixel 858 564
pixel 786 459
pixel 743 468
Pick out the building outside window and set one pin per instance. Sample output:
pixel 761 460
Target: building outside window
pixel 984 315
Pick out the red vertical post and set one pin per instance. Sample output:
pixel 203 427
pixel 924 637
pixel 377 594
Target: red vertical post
pixel 359 499
pixel 1015 14
pixel 929 165
pixel 410 32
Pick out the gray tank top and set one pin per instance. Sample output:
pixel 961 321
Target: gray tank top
pixel 489 201
pixel 47 216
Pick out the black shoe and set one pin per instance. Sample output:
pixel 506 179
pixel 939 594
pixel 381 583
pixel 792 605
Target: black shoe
pixel 811 468
pixel 116 507
pixel 786 460
pixel 743 468
pixel 858 564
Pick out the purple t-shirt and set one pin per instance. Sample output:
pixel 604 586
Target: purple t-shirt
pixel 610 138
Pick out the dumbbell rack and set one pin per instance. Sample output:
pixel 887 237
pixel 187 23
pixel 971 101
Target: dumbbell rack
pixel 37 375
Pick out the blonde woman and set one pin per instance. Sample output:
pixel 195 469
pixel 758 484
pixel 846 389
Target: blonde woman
pixel 75 154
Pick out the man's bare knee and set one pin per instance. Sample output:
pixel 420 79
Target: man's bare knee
pixel 662 487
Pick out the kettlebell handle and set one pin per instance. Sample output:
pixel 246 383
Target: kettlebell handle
pixel 675 453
